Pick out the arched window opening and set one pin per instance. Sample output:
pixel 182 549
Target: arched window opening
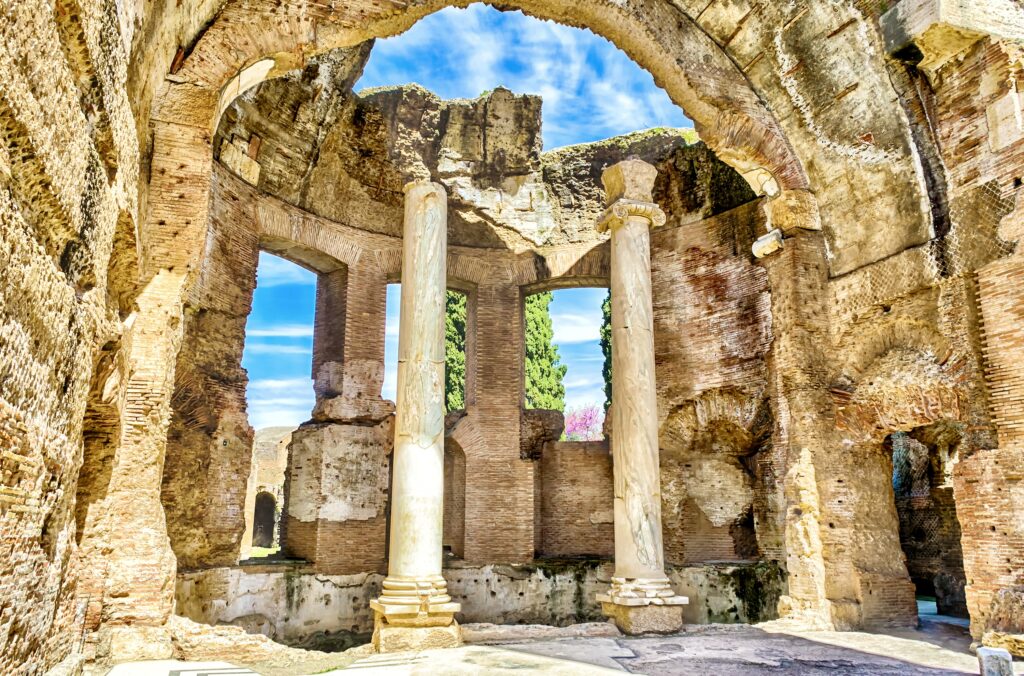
pixel 277 356
pixel 454 500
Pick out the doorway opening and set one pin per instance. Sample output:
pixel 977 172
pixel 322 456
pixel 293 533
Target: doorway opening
pixel 923 462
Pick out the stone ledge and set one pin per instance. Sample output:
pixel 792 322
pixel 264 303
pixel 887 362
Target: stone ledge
pixel 391 639
pixel 931 32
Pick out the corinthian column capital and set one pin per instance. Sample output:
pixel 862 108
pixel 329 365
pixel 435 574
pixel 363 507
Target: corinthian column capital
pixel 619 212
pixel 628 190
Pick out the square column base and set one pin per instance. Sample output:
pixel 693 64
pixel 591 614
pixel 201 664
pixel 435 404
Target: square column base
pixel 392 638
pixel 645 619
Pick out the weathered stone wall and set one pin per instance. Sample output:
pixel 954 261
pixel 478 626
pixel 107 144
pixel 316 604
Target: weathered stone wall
pixel 68 196
pixel 296 607
pixel 977 106
pixel 907 173
pixel 209 443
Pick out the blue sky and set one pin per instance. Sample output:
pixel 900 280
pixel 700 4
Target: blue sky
pixel 590 90
pixel 279 344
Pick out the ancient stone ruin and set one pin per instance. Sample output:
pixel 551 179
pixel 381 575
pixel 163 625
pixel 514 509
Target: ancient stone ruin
pixel 817 331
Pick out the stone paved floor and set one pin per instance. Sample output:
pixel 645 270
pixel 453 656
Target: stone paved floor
pixel 722 650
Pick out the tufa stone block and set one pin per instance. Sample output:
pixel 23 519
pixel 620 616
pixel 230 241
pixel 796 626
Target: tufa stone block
pixel 388 638
pixel 649 619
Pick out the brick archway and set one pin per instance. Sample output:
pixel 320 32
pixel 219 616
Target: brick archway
pixel 252 40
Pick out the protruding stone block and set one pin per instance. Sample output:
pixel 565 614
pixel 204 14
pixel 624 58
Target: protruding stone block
pixel 995 662
pixel 931 32
pixel 388 638
pixel 649 619
pixel 129 644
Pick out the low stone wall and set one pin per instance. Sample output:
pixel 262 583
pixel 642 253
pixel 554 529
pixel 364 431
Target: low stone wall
pixel 292 605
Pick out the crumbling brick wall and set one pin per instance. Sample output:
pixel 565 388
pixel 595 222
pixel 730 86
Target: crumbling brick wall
pixel 712 329
pixel 209 443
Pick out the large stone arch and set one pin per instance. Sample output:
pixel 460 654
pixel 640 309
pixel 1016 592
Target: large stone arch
pixel 790 109
pixel 236 53
pixel 751 87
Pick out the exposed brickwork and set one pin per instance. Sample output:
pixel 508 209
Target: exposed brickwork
pixel 576 499
pixel 209 443
pixel 903 311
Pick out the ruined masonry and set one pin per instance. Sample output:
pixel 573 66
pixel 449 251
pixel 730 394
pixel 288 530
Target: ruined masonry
pixel 817 316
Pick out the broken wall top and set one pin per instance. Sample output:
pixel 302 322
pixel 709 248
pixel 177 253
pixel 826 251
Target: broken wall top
pixel 308 139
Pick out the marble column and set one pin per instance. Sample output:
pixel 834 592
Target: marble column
pixel 414 610
pixel 640 599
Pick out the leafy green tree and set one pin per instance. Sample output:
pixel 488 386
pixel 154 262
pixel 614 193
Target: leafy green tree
pixel 544 370
pixel 606 347
pixel 455 351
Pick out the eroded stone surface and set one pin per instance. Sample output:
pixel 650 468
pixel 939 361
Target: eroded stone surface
pixel 125 267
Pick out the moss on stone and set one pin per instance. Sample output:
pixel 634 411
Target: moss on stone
pixel 758 587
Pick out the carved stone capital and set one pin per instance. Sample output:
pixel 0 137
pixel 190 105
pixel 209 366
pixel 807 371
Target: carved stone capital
pixel 423 188
pixel 622 209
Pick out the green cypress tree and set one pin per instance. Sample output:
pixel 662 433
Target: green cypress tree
pixel 455 351
pixel 606 347
pixel 544 371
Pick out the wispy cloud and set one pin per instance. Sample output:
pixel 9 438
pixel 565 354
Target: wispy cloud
pixel 591 89
pixel 276 271
pixel 573 328
pixel 583 382
pixel 280 384
pixel 268 414
pixel 282 331
pixel 266 348
pixel 581 398
pixel 280 401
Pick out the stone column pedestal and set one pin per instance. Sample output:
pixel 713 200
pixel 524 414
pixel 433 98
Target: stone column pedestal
pixel 641 599
pixel 414 611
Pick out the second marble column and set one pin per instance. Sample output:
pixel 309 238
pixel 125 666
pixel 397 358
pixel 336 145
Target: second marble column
pixel 640 599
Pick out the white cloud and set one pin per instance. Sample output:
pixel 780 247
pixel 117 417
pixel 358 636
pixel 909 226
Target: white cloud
pixel 276 271
pixel 591 90
pixel 264 348
pixel 278 384
pixel 570 328
pixel 282 331
pixel 582 382
pixel 280 401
